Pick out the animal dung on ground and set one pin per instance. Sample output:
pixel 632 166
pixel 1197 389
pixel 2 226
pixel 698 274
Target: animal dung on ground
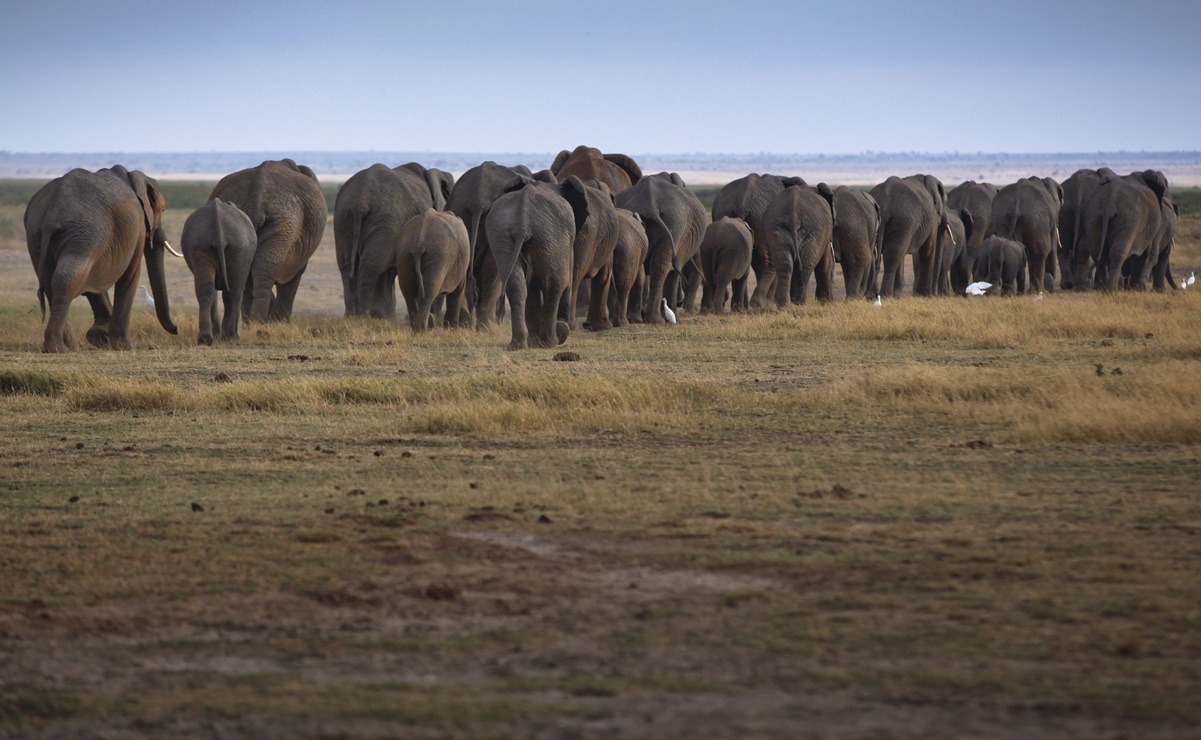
pixel 222 378
pixel 566 357
pixel 197 507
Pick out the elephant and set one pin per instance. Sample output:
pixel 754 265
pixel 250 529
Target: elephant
pixel 674 220
pixel 1027 211
pixel 1161 269
pixel 976 198
pixel 911 211
pixel 618 171
pixel 285 203
pixel 371 208
pixel 1077 190
pixel 87 232
pixel 799 227
pixel 954 233
pixel 1002 262
pixel 218 244
pixel 725 257
pixel 746 198
pixel 1121 222
pixel 472 198
pixel 857 235
pixel 593 257
pixel 629 274
pixel 531 231
pixel 432 254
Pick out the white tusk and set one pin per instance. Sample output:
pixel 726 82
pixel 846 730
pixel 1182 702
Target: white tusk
pixel 171 249
pixel 952 235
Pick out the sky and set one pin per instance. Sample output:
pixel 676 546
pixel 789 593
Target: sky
pixel 643 76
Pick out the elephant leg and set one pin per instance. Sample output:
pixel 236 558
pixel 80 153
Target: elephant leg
pixel 800 284
pixel 598 301
pixel 783 280
pixel 637 298
pixel 554 332
pixel 825 278
pixel 350 294
pixel 231 300
pixel 124 293
pixel 892 281
pixel 765 277
pixel 206 297
pixel 487 310
pixel 656 292
pixel 517 291
pixel 285 294
pixel 739 294
pixel 455 308
pixel 57 337
pixel 259 295
pixel 102 314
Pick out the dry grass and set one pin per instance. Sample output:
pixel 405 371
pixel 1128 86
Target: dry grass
pixel 925 514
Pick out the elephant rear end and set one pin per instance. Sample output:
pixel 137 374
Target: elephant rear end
pixel 218 244
pixel 432 256
pixel 856 240
pixel 725 256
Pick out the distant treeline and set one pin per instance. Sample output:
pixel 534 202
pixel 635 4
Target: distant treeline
pixel 189 196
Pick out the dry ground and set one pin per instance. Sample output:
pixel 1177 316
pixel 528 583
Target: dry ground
pixel 935 518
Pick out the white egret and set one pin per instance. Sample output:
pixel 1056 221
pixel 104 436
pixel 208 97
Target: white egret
pixel 149 298
pixel 979 288
pixel 668 313
pixel 877 304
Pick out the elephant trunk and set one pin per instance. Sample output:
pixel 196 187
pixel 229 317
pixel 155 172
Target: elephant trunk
pixel 155 248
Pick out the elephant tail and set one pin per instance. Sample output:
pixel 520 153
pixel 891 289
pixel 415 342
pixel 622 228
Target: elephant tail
pixel 660 239
pixel 45 267
pixel 356 246
pixel 1008 225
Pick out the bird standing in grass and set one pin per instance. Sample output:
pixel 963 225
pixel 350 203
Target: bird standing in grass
pixel 878 303
pixel 149 298
pixel 668 313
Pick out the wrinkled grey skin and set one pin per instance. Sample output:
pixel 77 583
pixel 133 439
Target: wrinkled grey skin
pixel 218 243
pixel 1002 262
pixel 911 211
pixel 617 171
pixel 288 210
pixel 857 236
pixel 87 232
pixel 629 274
pixel 593 256
pixel 725 257
pixel 1122 222
pixel 531 232
pixel 1165 238
pixel 745 198
pixel 1027 211
pixel 371 208
pixel 674 220
pixel 798 225
pixel 1077 190
pixel 976 198
pixel 471 199
pixel 432 254
pixel 956 231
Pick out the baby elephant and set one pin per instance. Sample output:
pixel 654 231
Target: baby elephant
pixel 1002 262
pixel 725 255
pixel 432 253
pixel 219 242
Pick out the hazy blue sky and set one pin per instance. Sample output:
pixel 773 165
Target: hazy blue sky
pixel 643 76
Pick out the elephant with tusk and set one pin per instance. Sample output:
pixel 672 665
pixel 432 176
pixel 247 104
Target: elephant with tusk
pixel 88 232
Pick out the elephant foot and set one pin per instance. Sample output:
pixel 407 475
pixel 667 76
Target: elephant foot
pixel 599 325
pixel 97 336
pixel 516 345
pixel 55 348
pixel 205 340
pixel 118 345
pixel 561 332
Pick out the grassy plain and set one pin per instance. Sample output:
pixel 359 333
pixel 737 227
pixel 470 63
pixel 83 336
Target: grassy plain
pixel 934 518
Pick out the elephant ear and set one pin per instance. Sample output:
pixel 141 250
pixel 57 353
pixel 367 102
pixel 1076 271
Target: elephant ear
pixel 966 217
pixel 560 159
pixel 792 182
pixel 1157 182
pixel 441 185
pixel 934 185
pixel 576 194
pixel 828 195
pixel 521 169
pixel 518 182
pixel 628 164
pixel 677 180
pixel 151 200
pixel 546 176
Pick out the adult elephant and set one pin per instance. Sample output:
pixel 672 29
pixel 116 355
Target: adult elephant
pixel 629 274
pixel 1165 238
pixel 976 198
pixel 87 232
pixel 799 227
pixel 674 220
pixel 474 193
pixel 531 231
pixel 857 241
pixel 911 211
pixel 956 230
pixel 371 208
pixel 745 198
pixel 1122 223
pixel 1077 190
pixel 618 171
pixel 288 210
pixel 593 256
pixel 1027 211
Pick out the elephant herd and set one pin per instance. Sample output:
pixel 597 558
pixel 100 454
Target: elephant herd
pixel 591 234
